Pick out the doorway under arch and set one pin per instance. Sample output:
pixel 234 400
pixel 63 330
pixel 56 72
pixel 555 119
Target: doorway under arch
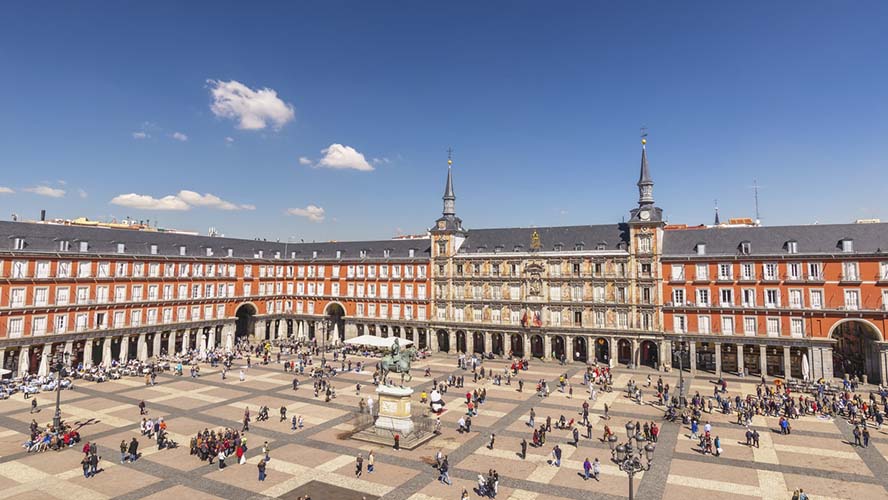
pixel 461 341
pixel 856 351
pixel 537 349
pixel 602 350
pixel 624 352
pixel 443 341
pixel 517 345
pixel 580 349
pixel 558 351
pixel 650 355
pixel 478 342
pixel 496 344
pixel 336 314
pixel 246 321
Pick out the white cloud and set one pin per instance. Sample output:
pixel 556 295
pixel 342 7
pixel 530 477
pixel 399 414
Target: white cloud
pixel 82 193
pixel 62 182
pixel 46 191
pixel 183 200
pixel 146 202
pixel 377 161
pixel 141 135
pixel 312 212
pixel 179 136
pixel 6 190
pixel 210 201
pixel 343 157
pixel 304 161
pixel 253 109
pixel 229 140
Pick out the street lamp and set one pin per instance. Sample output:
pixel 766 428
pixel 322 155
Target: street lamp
pixel 326 324
pixel 681 385
pixel 629 460
pixel 59 363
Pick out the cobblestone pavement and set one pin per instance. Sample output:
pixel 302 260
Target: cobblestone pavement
pixel 319 459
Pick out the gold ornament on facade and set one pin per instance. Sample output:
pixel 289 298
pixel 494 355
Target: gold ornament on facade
pixel 535 241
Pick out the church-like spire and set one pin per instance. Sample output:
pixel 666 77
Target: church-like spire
pixel 449 198
pixel 717 222
pixel 645 183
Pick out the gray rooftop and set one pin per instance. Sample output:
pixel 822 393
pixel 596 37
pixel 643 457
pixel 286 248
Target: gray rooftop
pixel 46 237
pixel 512 239
pixel 765 240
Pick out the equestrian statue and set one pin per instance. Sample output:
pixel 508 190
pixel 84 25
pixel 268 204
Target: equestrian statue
pixel 397 361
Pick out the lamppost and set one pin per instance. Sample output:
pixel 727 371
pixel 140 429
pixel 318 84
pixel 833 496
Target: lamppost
pixel 629 458
pixel 681 385
pixel 59 363
pixel 326 325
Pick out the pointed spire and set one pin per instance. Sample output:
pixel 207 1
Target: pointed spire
pixel 717 222
pixel 645 183
pixel 449 198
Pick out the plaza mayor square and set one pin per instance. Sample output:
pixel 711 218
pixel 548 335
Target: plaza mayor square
pixel 443 251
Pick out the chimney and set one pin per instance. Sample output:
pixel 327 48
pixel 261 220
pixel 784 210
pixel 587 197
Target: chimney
pixel 42 215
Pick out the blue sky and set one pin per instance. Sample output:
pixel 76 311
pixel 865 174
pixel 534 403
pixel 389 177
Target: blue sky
pixel 541 102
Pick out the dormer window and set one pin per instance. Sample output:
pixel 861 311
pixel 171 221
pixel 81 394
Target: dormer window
pixel 847 245
pixel 387 253
pixel 481 249
pixel 182 250
pixel 411 252
pixel 314 254
pixel 559 247
pixel 701 248
pixel 208 251
pixel 579 247
pixel 498 249
pixel 621 245
pixel 260 254
pixel 84 246
pixel 121 248
pixel 229 252
pixel 363 254
pixel 292 255
pixel 745 247
pixel 339 254
pixel 64 246
pixel 19 244
pixel 792 246
pixel 277 255
pixel 601 246
pixel 152 250
pixel 519 248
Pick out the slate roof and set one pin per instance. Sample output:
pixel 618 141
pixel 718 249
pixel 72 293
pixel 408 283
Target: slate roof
pixel 771 240
pixel 46 238
pixel 487 240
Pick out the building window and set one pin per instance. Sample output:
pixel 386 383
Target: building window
pixel 816 299
pixel 815 271
pixel 679 323
pixel 121 248
pixel 852 300
pixel 792 246
pixel 794 271
pixel 749 325
pixel 702 273
pixel 773 326
pixel 64 246
pixel 769 271
pixel 678 272
pixel 701 249
pixel 703 297
pixel 848 245
pixel 797 327
pixel 745 248
pixel 644 244
pixel 772 297
pixel 747 272
pixel 725 272
pixel 726 297
pixel 703 324
pixel 795 299
pixel 849 271
pixel 678 295
pixel 727 324
pixel 84 246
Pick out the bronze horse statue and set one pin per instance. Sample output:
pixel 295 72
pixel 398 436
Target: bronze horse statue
pixel 398 362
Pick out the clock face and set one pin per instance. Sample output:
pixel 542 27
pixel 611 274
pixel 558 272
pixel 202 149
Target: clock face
pixel 644 215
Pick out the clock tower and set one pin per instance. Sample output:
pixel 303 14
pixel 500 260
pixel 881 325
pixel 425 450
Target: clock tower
pixel 646 211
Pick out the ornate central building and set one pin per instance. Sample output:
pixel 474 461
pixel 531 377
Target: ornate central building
pixel 572 292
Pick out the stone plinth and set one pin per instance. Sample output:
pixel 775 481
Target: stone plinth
pixel 394 409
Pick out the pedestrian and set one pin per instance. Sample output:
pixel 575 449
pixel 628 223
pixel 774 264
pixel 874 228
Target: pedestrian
pixel 866 437
pixel 596 468
pixel 556 456
pixel 93 464
pixel 34 404
pixel 587 469
pixel 142 410
pixel 371 460
pixel 265 450
pixel 857 436
pixel 261 467
pixel 243 376
pixel 283 414
pixel 359 465
pixel 492 439
pixel 123 450
pixel 444 471
pixel 523 449
pixel 576 437
pixel 717 445
pixel 221 458
pixel 133 450
pixel 397 442
pixel 84 463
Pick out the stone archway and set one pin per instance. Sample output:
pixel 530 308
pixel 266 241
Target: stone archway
pixel 537 349
pixel 650 355
pixel 602 350
pixel 245 323
pixel 624 352
pixel 460 341
pixel 558 350
pixel 856 352
pixel 336 314
pixel 478 342
pixel 580 349
pixel 443 341
pixel 496 344
pixel 517 345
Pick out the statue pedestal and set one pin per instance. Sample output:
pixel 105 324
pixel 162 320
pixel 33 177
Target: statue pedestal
pixel 394 409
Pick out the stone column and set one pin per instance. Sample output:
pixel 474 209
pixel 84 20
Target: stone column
pixel 451 334
pixel 156 344
pixel 526 339
pixel 547 346
pixel 787 363
pixel 763 359
pixel 202 344
pixel 142 348
pixel 693 355
pixel 569 348
pixel 351 331
pixel 186 340
pixel 488 342
pixel 88 352
pixel 636 353
pixel 2 357
pixel 740 368
pixel 124 349
pixel 612 343
pixel 718 359
pixel 171 343
pixel 69 347
pixel 661 352
pixel 106 351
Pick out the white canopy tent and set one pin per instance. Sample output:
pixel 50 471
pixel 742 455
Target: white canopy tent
pixel 378 342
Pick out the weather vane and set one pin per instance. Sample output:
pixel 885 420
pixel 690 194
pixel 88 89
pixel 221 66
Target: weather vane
pixel 450 156
pixel 644 134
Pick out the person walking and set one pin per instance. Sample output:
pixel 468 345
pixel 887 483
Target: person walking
pixel 717 446
pixel 221 458
pixel 261 466
pixel 123 450
pixel 492 439
pixel 84 463
pixel 93 464
pixel 596 469
pixel 444 472
pixel 142 410
pixel 523 449
pixel 34 404
pixel 866 437
pixel 371 460
pixel 133 450
pixel 556 456
pixel 265 450
pixel 857 436
pixel 359 465
pixel 587 469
